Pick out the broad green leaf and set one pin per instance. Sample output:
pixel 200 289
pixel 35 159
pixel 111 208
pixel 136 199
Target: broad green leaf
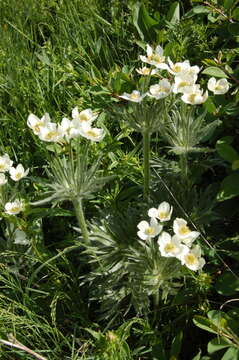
pixel 173 14
pixel 229 187
pixel 200 9
pixel 234 29
pixel 142 20
pixel 198 356
pixel 226 151
pixel 235 164
pixel 231 354
pixel 176 345
pixel 216 344
pixel 227 284
pixel 235 14
pixel 214 71
pixel 228 4
pixel 210 106
pixel 205 324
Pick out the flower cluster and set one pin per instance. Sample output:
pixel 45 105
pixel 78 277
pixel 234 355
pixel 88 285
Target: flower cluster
pixel 185 77
pixel 80 125
pixel 16 173
pixel 180 244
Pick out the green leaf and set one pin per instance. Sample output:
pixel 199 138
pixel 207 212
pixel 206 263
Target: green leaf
pixel 235 14
pixel 226 151
pixel 142 20
pixel 209 105
pixel 227 284
pixel 205 324
pixel 234 29
pixel 173 14
pixel 231 354
pixel 214 71
pixel 176 345
pixel 198 356
pixel 217 344
pixel 229 187
pixel 228 4
pixel 200 9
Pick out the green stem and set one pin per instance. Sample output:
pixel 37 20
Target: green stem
pixel 81 219
pixel 146 154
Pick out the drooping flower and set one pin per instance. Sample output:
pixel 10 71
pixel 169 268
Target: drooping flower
pixel 154 57
pixel 5 163
pixel 148 230
pixel 171 246
pixel 3 179
pixel 135 96
pixel 51 132
pixel 93 134
pixel 218 87
pixel 69 128
pixel 163 213
pixel 184 233
pixel 14 208
pixel 18 173
pixel 192 259
pixel 86 115
pixel 35 123
pixel 160 90
pixel 147 71
pixel 194 95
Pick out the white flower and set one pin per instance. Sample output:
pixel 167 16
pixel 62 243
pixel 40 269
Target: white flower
pixel 192 259
pixel 154 57
pixel 148 230
pixel 160 90
pixel 134 96
pixel 183 82
pixel 171 246
pixel 3 179
pixel 5 163
pixel 18 173
pixel 85 115
pixel 218 87
pixel 163 213
pixel 35 123
pixel 14 208
pixel 93 134
pixel 51 132
pixel 181 229
pixel 194 95
pixel 147 71
pixel 20 237
pixel 178 67
pixel 69 129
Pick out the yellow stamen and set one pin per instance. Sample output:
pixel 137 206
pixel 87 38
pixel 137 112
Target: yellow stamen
pixel 184 230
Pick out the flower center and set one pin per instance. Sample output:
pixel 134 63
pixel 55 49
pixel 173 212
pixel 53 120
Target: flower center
pixel 191 259
pixel 169 247
pixel 134 96
pixel 192 98
pixel 149 231
pixel 184 230
pixel 2 166
pixel 83 117
pixel 163 215
pixel 51 135
pixel 91 133
pixel 15 209
pixel 157 58
pixel 177 68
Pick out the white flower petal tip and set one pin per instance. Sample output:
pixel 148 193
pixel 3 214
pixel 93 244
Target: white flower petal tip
pixel 5 163
pixel 86 115
pixel 147 71
pixel 18 173
pixel 93 134
pixel 51 132
pixel 3 179
pixel 14 208
pixel 148 230
pixel 181 229
pixel 35 123
pixel 219 87
pixel 160 90
pixel 154 57
pixel 135 96
pixel 163 213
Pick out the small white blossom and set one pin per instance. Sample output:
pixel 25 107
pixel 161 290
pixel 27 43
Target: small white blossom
pixel 134 96
pixel 35 123
pixel 218 87
pixel 181 229
pixel 178 67
pixel 192 259
pixel 183 82
pixel 148 230
pixel 194 95
pixel 93 134
pixel 163 213
pixel 69 129
pixel 160 90
pixel 154 57
pixel 171 246
pixel 147 71
pixel 14 208
pixel 51 132
pixel 18 173
pixel 86 115
pixel 5 163
pixel 3 179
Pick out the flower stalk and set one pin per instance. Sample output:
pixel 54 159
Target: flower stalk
pixel 78 206
pixel 146 159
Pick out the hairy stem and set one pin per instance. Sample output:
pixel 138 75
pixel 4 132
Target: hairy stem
pixel 146 154
pixel 81 218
